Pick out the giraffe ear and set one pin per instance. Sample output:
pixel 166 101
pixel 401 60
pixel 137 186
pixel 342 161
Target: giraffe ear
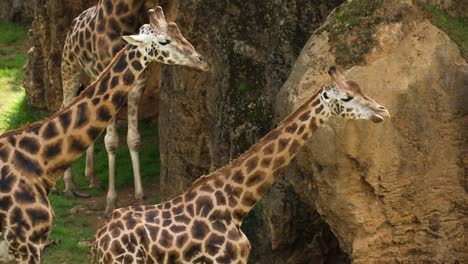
pixel 137 40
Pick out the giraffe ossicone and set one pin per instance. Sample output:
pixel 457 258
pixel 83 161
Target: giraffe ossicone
pixel 202 225
pixel 33 158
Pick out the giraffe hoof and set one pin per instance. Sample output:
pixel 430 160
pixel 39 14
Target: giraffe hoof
pixel 76 194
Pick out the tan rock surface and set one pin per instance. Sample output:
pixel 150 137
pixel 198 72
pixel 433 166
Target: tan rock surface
pixel 393 192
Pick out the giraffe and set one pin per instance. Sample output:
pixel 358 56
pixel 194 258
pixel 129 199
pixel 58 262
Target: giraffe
pixel 203 224
pixel 91 43
pixel 32 158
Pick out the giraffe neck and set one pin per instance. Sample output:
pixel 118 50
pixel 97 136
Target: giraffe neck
pixel 246 179
pixel 122 15
pixel 43 150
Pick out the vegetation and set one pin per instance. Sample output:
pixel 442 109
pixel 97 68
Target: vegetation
pixel 75 220
pixel 455 27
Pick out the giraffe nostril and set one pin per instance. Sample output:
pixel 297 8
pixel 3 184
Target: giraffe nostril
pixel 382 108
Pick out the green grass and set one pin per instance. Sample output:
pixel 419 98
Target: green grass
pixel 455 27
pixel 72 232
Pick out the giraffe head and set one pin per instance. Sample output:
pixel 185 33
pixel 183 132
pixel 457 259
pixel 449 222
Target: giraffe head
pixel 344 98
pixel 161 41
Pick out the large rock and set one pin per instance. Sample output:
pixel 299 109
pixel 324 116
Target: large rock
pixel 20 11
pixel 395 192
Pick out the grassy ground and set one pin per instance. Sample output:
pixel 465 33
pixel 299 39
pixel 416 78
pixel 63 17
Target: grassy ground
pixel 75 220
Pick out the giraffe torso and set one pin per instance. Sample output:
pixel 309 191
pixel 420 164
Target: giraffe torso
pixel 188 229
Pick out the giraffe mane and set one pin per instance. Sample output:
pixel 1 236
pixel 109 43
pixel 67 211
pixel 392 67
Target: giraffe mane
pixel 77 98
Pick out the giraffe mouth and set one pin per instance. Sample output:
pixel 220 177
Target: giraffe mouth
pixel 379 115
pixel 376 118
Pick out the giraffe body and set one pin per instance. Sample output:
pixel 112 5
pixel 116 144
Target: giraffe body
pixel 203 224
pixel 32 158
pixel 91 43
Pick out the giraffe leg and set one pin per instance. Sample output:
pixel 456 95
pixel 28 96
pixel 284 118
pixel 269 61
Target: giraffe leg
pixel 89 171
pixel 133 135
pixel 111 141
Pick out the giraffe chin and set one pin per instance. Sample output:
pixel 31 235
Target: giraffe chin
pixel 376 118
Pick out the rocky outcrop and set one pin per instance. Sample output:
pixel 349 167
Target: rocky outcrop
pixel 394 192
pixel 19 11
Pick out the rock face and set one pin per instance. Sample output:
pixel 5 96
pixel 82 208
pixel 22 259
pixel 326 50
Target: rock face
pixel 19 11
pixel 43 82
pixel 394 192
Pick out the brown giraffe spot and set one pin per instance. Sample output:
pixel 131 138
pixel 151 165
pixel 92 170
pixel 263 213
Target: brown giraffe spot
pixel 158 253
pixel 38 216
pixel 65 120
pixel 248 199
pixel 182 219
pixel 219 226
pixel 29 144
pixel 234 234
pixel 128 77
pixel 173 258
pixel 166 239
pixel 177 200
pixel 4 154
pixel 251 164
pixel 152 231
pixel 265 162
pixel 129 220
pixel 116 248
pixel 278 162
pixel 167 205
pixel 191 251
pixel 272 135
pixel 204 205
pixel 269 149
pixel 313 126
pixel 305 136
pixel 220 198
pixel 5 202
pixel 199 230
pixel 282 143
pixel 239 214
pixel 316 102
pixel 120 65
pixel 213 244
pixel 305 116
pixel 302 128
pixel 103 84
pixel 230 254
pixel 128 243
pixel 319 109
pixel 294 147
pixel 238 177
pixel 103 113
pixel 24 194
pixel 96 101
pixel 166 223
pixel 178 209
pixel 177 228
pixel 181 240
pixel 137 65
pixel 93 132
pixel 166 215
pixel 82 115
pixel 104 242
pixel 27 164
pixel 77 145
pixel 206 188
pixel 256 178
pixel 114 82
pixel 291 128
pixel 118 98
pixel 218 182
pixel 12 141
pixel 50 130
pixel 188 197
pixel 190 210
pixel 19 225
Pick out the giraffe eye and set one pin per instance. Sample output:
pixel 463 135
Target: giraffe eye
pixel 164 43
pixel 347 99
